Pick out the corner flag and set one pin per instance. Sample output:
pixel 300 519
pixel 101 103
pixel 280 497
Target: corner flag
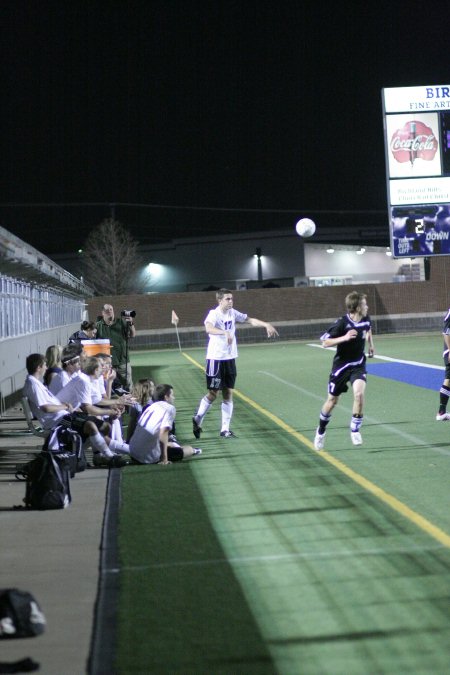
pixel 174 320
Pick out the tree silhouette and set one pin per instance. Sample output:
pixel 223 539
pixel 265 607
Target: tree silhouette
pixel 111 262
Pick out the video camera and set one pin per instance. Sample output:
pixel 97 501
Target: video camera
pixel 128 313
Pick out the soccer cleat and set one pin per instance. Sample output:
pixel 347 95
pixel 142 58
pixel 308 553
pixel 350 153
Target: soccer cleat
pixel 227 434
pixel 319 440
pixel 114 462
pixel 196 428
pixel 197 451
pixel 118 461
pixel 356 437
pixel 107 453
pixel 99 460
pixel 442 417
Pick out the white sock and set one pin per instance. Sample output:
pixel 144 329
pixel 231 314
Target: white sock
pixel 119 446
pixel 227 411
pixel 355 424
pixel 99 444
pixel 116 430
pixel 203 408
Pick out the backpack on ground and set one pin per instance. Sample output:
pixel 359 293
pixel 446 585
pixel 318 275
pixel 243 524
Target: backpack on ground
pixel 67 441
pixel 20 615
pixel 48 481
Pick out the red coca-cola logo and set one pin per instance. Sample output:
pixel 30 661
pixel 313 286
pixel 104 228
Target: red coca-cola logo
pixel 413 140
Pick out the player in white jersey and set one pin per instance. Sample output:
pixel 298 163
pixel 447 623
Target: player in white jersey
pixel 150 443
pixel 93 367
pixel 220 324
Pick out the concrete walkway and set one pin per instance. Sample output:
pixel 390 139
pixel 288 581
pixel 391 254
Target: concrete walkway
pixel 52 554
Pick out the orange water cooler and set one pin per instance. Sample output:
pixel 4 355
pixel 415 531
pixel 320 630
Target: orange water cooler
pixel 94 347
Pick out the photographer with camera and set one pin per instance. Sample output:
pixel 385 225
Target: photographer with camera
pixel 118 332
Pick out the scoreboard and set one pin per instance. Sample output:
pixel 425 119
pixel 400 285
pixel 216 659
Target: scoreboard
pixel 417 150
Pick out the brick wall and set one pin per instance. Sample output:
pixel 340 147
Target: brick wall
pixel 440 270
pixel 285 304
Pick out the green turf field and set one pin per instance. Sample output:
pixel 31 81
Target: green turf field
pixel 265 556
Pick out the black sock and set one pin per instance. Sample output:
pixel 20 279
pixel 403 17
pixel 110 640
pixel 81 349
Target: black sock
pixel 323 421
pixel 444 394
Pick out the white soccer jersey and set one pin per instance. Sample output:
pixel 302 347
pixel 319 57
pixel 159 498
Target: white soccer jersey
pixel 59 381
pixel 38 395
pixel 218 348
pixel 77 391
pixel 144 443
pixel 96 389
pixel 101 384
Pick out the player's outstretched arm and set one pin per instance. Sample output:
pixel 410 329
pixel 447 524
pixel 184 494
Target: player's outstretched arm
pixel 271 330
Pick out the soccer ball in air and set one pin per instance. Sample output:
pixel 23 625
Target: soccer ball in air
pixel 305 227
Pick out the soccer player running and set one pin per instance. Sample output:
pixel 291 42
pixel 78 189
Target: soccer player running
pixel 220 324
pixel 348 334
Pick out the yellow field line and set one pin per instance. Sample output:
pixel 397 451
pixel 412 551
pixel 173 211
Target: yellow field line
pixel 418 520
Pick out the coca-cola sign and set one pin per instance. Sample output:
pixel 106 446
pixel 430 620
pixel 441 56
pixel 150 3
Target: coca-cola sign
pixel 414 140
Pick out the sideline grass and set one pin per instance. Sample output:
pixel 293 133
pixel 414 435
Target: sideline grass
pixel 329 578
pixel 178 614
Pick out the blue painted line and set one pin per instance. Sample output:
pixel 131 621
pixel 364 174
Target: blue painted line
pixel 428 378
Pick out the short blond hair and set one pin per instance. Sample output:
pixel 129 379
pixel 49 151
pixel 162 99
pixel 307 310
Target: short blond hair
pixel 91 364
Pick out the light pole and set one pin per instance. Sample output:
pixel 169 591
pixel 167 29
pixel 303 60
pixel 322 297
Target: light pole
pixel 259 263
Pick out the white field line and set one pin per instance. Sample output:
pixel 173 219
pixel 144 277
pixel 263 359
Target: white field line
pixel 387 358
pixel 282 557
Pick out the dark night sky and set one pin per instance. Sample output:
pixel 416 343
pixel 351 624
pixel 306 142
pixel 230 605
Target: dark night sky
pixel 238 105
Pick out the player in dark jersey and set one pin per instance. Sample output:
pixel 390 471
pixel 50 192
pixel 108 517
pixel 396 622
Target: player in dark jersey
pixel 348 334
pixel 444 391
